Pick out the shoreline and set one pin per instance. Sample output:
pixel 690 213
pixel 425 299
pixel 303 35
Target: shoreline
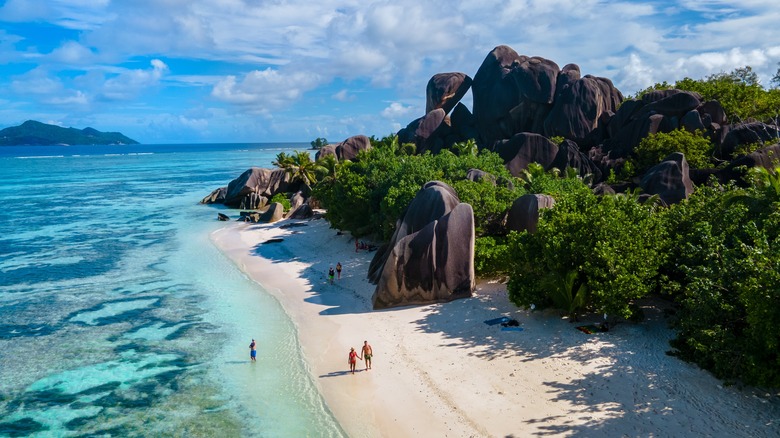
pixel 438 370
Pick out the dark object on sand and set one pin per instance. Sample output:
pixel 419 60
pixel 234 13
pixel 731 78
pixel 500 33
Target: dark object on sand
pixel 510 323
pixel 592 328
pixel 276 240
pixel 222 217
pixel 495 321
pixel 294 224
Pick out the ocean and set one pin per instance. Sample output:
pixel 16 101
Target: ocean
pixel 119 317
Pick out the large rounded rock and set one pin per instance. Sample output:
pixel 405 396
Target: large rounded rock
pixel 766 157
pixel 433 201
pixel 524 148
pixel 579 106
pixel 495 93
pixel 669 179
pixel 524 213
pixel 326 150
pixel 259 182
pixel 430 132
pixel 445 90
pixel 747 133
pixel 434 264
pixel 349 148
pixel 536 78
pixel 215 197
pixel 275 213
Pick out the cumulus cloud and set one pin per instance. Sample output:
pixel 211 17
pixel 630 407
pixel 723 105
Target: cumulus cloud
pixel 398 111
pixel 265 90
pixel 258 57
pixel 343 96
pixel 130 83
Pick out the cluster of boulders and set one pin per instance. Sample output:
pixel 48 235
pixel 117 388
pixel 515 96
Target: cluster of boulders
pixel 521 103
pixel 253 190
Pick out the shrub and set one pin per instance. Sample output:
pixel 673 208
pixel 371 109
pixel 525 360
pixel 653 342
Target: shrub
pixel 655 147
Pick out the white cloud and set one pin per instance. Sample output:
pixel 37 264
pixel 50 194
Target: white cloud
pixel 130 83
pixel 71 52
pixel 265 90
pixel 398 111
pixel 343 96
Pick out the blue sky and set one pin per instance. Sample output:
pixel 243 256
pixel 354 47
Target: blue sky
pixel 184 71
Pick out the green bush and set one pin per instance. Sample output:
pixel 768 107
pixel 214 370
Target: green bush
pixel 282 199
pixel 655 147
pixel 589 252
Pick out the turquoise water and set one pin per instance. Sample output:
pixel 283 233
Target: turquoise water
pixel 118 317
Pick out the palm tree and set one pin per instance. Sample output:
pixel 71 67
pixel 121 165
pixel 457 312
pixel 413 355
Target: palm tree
pixel 301 167
pixel 328 166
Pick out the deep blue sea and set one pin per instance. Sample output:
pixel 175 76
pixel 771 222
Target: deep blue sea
pixel 118 317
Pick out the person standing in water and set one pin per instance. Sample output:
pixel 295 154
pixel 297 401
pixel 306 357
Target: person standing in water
pixel 253 351
pixel 330 275
pixel 338 270
pixel 368 352
pixel 353 357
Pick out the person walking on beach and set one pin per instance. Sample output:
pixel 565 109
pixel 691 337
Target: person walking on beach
pixel 253 351
pixel 330 275
pixel 368 352
pixel 353 357
pixel 338 269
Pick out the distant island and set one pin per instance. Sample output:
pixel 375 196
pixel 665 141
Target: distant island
pixel 41 134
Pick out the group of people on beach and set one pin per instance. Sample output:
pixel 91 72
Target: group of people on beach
pixel 365 354
pixel 331 273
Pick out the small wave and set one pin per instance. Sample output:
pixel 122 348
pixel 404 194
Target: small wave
pixel 141 153
pixel 41 156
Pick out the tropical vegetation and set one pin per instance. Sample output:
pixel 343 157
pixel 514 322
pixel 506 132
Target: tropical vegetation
pixel 714 257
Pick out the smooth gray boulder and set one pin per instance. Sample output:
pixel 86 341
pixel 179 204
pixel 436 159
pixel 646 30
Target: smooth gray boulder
pixel 215 197
pixel 434 200
pixel 524 213
pixel 255 183
pixel 434 264
pixel 274 213
pixel 668 179
pixel 524 148
pixel 445 90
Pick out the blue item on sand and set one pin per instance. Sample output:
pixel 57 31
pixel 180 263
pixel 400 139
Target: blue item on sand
pixel 511 329
pixel 495 321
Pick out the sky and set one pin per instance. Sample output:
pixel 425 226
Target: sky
pixel 231 71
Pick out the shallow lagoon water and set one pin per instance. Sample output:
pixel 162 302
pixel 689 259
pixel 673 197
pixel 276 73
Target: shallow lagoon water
pixel 118 317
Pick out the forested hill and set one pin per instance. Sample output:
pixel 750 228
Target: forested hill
pixel 37 133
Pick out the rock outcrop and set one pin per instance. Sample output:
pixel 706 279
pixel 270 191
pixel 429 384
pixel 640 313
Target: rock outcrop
pixel 253 188
pixel 274 213
pixel 524 148
pixel 431 255
pixel 445 90
pixel 669 179
pixel 435 264
pixel 524 213
pixel 347 149
pixel 215 197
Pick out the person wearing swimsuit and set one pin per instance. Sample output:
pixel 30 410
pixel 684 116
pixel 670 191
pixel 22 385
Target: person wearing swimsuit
pixel 353 356
pixel 368 352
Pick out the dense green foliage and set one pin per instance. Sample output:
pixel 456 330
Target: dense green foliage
pixel 589 252
pixel 739 92
pixel 655 147
pixel 299 166
pixel 725 276
pixel 381 183
pixel 282 199
pixel 716 255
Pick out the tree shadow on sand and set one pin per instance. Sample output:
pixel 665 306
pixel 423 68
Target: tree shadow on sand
pixel 337 300
pixel 628 385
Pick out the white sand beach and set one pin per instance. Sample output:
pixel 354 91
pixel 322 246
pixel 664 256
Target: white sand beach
pixel 439 370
